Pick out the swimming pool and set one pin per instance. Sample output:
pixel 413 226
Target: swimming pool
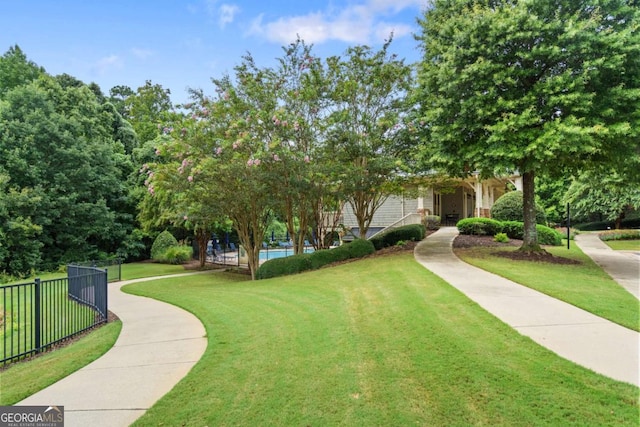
pixel 267 254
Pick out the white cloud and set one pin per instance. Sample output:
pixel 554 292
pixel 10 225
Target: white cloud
pixel 107 63
pixel 141 53
pixel 224 13
pixel 227 14
pixel 358 23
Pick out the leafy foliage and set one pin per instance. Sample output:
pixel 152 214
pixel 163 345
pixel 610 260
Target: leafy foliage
pixel 620 235
pixel 546 235
pixel 479 226
pixel 177 254
pixel 304 262
pixel 609 195
pixel 63 152
pixel 509 207
pixel 161 244
pixel 412 232
pixel 501 237
pixel 545 88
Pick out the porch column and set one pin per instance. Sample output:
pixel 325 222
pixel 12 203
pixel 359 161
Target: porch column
pixel 517 181
pixel 479 196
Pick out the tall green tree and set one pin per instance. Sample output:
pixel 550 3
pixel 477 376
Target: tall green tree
pixel 19 244
pixel 57 143
pixel 539 87
pixel 368 102
pixel 16 70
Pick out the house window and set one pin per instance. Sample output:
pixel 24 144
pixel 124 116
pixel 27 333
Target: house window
pixel 436 204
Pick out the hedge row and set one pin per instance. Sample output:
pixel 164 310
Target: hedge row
pixel 605 225
pixel 303 262
pixel 412 232
pixel 513 229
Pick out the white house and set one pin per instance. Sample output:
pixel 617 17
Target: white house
pixel 469 197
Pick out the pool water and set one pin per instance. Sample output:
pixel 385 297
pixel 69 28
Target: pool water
pixel 267 254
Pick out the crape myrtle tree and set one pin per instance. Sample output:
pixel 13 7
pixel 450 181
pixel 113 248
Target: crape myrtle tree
pixel 368 93
pixel 220 154
pixel 541 87
pixel 301 172
pixel 174 197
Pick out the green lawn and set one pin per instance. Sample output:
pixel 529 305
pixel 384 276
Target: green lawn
pixel 624 245
pixel 380 341
pixel 137 270
pixel 25 378
pixel 585 285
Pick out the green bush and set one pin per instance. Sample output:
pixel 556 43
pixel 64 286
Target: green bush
pixel 501 238
pixel 606 225
pixel 432 222
pixel 513 229
pixel 412 232
pixel 303 262
pixel 479 226
pixel 546 235
pixel 620 235
pixel 164 241
pixel 177 255
pixel 509 208
pixel 360 248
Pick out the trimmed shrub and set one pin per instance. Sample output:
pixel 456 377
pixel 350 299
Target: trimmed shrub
pixel 164 241
pixel 298 263
pixel 620 235
pixel 321 258
pixel 509 208
pixel 432 222
pixel 546 235
pixel 284 266
pixel 479 226
pixel 177 255
pixel 513 229
pixel 360 248
pixel 411 232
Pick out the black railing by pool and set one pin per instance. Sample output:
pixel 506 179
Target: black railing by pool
pixel 37 315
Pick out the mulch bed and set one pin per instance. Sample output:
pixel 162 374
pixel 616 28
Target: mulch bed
pixel 466 242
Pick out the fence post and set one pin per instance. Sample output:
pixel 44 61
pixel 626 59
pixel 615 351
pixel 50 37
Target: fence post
pixel 38 320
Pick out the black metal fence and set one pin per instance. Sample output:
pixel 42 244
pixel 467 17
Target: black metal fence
pixel 37 315
pixel 113 267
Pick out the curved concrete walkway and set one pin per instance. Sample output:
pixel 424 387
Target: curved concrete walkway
pixel 570 332
pixel 622 266
pixel 158 345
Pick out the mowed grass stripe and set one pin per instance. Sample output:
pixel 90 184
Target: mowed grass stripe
pixel 584 285
pixel 380 341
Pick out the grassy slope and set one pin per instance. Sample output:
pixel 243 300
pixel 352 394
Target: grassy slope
pixel 624 245
pixel 25 378
pixel 377 342
pixel 585 285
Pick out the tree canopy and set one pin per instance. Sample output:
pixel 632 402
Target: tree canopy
pixel 536 87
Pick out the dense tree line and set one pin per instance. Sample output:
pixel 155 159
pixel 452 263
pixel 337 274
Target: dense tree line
pixel 549 89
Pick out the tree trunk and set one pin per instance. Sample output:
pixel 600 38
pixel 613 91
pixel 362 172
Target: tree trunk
pixel 202 238
pixel 530 238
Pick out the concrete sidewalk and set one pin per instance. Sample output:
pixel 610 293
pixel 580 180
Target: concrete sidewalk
pixel 570 332
pixel 622 266
pixel 158 345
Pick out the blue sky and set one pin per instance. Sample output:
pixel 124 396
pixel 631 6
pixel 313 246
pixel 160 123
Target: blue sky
pixel 181 44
